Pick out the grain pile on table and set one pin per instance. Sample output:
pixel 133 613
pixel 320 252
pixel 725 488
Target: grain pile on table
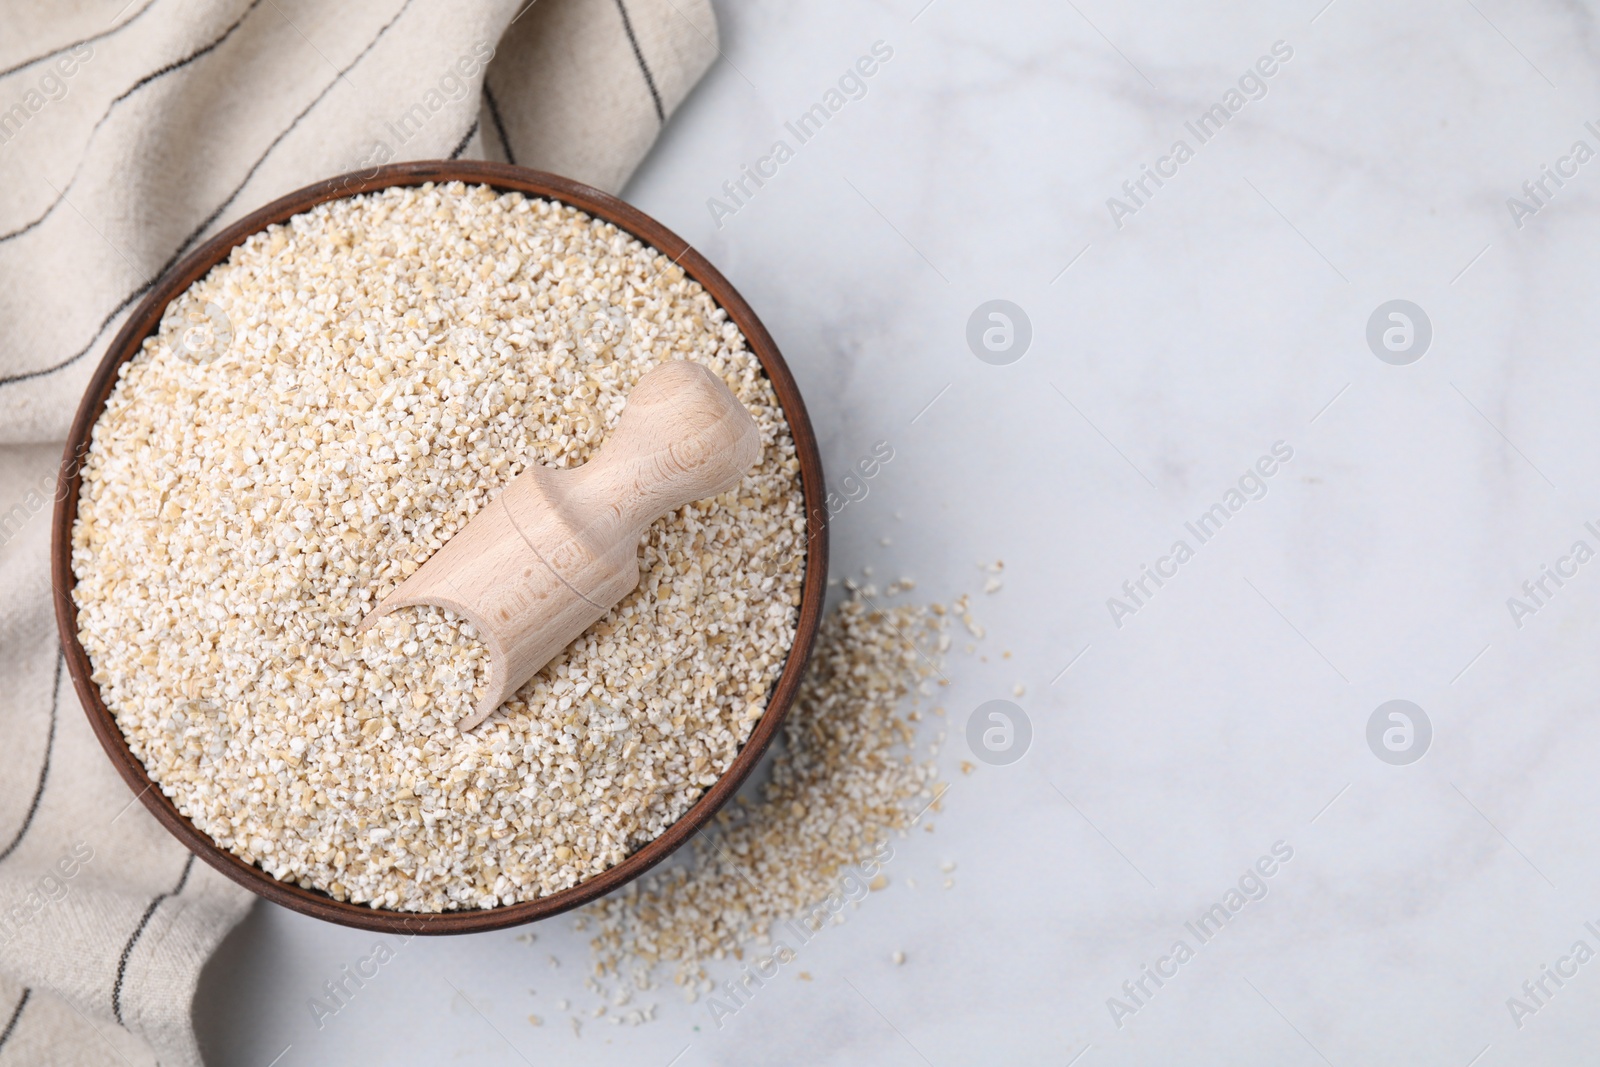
pixel 845 779
pixel 318 415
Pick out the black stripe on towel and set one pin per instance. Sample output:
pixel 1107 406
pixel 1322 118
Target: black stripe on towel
pixel 77 44
pixel 138 932
pixel 44 772
pixel 644 68
pixel 462 147
pixel 499 123
pixel 11 1027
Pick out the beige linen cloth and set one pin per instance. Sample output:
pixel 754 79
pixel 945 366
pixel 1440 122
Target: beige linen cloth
pixel 129 134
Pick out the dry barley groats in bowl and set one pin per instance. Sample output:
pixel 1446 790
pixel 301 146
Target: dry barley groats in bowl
pixel 316 416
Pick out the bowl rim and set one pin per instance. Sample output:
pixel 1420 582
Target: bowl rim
pixel 144 321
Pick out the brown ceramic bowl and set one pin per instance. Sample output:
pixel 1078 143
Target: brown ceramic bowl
pixel 144 322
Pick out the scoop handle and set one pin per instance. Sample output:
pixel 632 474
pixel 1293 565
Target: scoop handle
pixel 683 437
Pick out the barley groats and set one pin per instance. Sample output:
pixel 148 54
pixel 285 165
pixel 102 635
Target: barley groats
pixel 370 373
pixel 845 781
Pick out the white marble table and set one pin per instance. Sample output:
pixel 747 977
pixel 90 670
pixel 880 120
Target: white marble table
pixel 1229 709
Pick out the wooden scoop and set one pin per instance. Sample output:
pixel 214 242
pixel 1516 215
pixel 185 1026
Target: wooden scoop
pixel 557 549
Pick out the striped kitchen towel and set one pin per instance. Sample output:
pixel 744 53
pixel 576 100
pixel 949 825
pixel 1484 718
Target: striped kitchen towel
pixel 129 133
